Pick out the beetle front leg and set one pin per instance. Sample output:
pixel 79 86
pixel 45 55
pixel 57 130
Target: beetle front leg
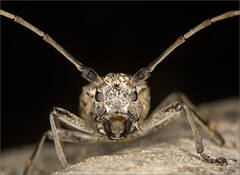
pixel 84 134
pixel 58 147
pixel 175 106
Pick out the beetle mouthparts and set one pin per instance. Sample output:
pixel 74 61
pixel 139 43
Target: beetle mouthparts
pixel 117 127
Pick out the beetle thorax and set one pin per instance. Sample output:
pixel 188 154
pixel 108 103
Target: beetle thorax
pixel 116 93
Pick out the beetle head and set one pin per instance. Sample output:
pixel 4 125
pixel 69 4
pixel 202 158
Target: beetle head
pixel 119 105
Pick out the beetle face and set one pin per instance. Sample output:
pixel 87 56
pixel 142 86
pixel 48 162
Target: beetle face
pixel 117 106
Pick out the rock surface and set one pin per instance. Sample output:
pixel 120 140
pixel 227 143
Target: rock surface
pixel 171 150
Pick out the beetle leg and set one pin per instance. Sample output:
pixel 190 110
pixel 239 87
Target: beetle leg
pixel 83 134
pixel 175 106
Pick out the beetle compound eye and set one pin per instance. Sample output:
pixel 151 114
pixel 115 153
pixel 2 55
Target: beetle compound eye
pixel 98 96
pixel 134 96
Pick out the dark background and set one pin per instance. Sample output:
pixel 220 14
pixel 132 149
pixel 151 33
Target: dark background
pixel 109 37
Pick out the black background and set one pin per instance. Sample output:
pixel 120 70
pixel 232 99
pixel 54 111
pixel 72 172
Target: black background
pixel 109 37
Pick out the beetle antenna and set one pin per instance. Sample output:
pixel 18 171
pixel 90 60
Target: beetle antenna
pixel 87 73
pixel 145 72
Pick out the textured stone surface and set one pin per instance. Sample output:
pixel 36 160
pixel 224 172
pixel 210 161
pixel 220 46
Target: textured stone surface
pixel 169 151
